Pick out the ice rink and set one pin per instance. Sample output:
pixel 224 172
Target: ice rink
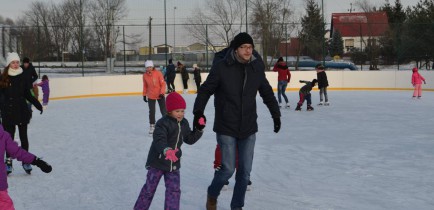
pixel 368 150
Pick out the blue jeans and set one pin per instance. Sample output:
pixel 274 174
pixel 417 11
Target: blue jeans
pixel 229 147
pixel 281 88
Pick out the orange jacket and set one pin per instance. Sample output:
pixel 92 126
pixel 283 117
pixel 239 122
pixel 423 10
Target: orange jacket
pixel 153 84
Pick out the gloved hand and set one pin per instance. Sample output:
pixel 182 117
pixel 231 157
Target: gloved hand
pixel 145 99
pixel 42 110
pixel 171 154
pixel 199 120
pixel 277 124
pixel 44 166
pixel 424 82
pixel 161 96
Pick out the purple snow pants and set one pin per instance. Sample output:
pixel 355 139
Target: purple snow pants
pixel 173 191
pixel 45 98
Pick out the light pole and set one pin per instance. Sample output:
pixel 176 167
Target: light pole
pixel 174 37
pixel 165 31
pixel 323 33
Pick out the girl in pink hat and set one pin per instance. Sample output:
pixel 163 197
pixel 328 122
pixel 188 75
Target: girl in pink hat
pixel 416 80
pixel 171 131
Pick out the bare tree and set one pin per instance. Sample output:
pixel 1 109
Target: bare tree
pixel 372 48
pixel 60 29
pixel 39 15
pixel 221 16
pixel 103 16
pixel 271 21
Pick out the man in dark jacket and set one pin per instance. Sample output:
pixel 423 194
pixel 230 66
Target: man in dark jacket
pixel 30 74
pixel 235 81
pixel 170 76
pixel 323 83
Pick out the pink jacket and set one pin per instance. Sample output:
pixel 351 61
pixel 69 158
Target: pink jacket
pixel 153 84
pixel 416 78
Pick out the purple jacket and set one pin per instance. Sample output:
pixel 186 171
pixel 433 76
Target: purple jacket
pixel 45 86
pixel 8 145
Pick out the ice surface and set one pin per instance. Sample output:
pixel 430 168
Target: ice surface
pixel 367 150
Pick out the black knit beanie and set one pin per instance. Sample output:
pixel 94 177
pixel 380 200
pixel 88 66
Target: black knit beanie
pixel 26 60
pixel 240 39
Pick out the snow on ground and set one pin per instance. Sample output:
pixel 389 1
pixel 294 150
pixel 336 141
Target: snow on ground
pixel 368 150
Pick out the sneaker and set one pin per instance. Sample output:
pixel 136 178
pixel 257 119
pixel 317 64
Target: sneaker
pixel 27 167
pixel 151 128
pixel 321 103
pixel 9 167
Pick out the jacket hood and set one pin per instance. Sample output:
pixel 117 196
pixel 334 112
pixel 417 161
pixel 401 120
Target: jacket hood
pixel 415 69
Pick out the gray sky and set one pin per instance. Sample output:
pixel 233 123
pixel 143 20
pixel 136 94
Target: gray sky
pixel 140 10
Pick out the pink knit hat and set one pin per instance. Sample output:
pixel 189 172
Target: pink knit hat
pixel 175 101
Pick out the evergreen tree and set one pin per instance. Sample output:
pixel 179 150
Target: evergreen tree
pixel 312 33
pixel 336 44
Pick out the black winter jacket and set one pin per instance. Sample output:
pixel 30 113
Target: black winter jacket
pixel 305 90
pixel 30 73
pixel 170 72
pixel 197 76
pixel 184 73
pixel 170 133
pixel 235 87
pixel 14 108
pixel 322 79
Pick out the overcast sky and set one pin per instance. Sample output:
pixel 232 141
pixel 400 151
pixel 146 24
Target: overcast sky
pixel 140 10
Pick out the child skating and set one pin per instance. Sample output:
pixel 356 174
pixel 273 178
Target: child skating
pixel 323 83
pixel 11 147
pixel 44 84
pixel 170 132
pixel 305 94
pixel 416 81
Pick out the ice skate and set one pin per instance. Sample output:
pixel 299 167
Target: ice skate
pixel 9 167
pixel 298 108
pixel 280 105
pixel 309 108
pixel 287 106
pixel 226 186
pixel 27 167
pixel 321 103
pixel 249 186
pixel 151 129
pixel 326 104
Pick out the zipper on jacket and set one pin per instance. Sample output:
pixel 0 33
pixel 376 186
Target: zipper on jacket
pixel 242 94
pixel 176 145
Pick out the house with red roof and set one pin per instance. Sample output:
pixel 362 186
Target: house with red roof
pixel 359 30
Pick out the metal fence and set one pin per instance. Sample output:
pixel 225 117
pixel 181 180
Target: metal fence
pixel 123 49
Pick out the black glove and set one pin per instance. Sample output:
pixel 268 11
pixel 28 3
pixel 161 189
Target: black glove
pixel 196 124
pixel 44 166
pixel 42 110
pixel 424 82
pixel 277 124
pixel 161 96
pixel 145 99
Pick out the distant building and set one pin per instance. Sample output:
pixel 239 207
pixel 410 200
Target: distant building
pixel 145 51
pixel 359 29
pixel 290 47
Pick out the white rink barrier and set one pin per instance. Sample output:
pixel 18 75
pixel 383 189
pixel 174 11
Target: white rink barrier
pixel 95 86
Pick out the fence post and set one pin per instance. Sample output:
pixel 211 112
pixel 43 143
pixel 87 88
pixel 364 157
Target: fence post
pixel 206 34
pixel 125 67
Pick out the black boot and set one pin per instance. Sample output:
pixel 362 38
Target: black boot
pixel 298 108
pixel 309 108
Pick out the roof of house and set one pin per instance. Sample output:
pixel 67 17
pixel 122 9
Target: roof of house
pixel 360 24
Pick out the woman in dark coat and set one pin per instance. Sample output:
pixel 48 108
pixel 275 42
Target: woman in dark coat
pixel 197 77
pixel 184 75
pixel 15 90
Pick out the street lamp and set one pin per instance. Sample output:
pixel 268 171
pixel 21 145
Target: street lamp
pixel 174 37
